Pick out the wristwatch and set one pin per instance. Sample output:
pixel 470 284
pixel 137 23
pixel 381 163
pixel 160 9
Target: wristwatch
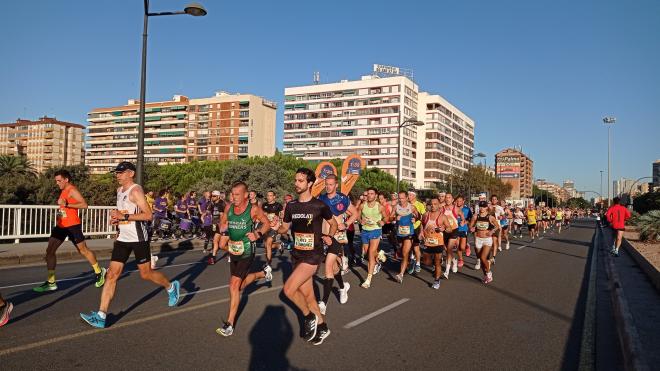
pixel 126 216
pixel 66 203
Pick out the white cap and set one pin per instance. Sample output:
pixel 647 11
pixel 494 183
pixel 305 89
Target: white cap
pixel 215 193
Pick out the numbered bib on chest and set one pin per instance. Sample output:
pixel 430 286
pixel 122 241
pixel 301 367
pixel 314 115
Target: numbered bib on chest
pixel 61 213
pixel 432 241
pixel 341 237
pixel 236 247
pixel 271 217
pixel 404 230
pixel 304 241
pixel 482 226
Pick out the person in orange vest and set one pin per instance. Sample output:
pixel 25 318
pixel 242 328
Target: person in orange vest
pixel 68 225
pixel 617 215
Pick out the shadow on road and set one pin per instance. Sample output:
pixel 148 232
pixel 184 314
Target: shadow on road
pixel 270 339
pixel 534 247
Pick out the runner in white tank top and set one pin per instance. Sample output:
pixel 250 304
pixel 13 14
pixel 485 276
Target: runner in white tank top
pixel 130 231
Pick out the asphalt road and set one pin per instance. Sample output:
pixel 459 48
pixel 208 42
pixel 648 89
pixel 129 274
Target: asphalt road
pixel 530 317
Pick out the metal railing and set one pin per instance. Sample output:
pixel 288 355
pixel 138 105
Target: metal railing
pixel 36 221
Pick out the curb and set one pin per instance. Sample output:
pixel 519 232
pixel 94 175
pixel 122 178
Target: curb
pixel 588 344
pixel 651 272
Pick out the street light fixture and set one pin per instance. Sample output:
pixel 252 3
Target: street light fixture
pixel 608 121
pixel 404 124
pixel 193 9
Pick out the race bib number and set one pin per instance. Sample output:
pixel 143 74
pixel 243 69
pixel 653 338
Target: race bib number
pixel 304 241
pixel 404 230
pixel 123 212
pixel 61 213
pixel 482 226
pixel 432 241
pixel 341 237
pixel 271 217
pixel 236 247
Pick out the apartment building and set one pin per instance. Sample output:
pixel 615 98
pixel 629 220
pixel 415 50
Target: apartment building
pixel 223 127
pixel 46 142
pixel 334 120
pixel 512 166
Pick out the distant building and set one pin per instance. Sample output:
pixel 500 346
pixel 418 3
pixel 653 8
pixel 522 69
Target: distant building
pixel 46 142
pixel 553 188
pixel 656 173
pixel 515 168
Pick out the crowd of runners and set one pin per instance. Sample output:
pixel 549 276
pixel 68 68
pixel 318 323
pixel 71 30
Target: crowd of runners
pixel 319 234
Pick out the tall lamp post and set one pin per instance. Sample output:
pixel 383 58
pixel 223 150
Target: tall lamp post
pixel 481 155
pixel 404 124
pixel 193 9
pixel 601 189
pixel 608 121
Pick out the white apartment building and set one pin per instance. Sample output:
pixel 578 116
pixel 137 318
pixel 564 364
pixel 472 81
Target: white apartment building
pixel 334 120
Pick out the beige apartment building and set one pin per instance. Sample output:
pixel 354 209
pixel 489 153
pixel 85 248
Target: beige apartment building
pixel 46 142
pixel 222 127
pixel 515 168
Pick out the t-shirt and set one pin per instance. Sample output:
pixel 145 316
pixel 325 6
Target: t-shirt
pixel 338 204
pixel 421 210
pixel 181 205
pixel 617 216
pixel 531 216
pixel 215 209
pixel 518 217
pixel 192 206
pixel 467 213
pixel 160 203
pixel 306 220
pixel 405 226
pixel 272 210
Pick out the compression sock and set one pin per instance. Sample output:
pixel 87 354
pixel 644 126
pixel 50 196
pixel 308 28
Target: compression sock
pixel 51 276
pixel 327 287
pixel 340 280
pixel 96 268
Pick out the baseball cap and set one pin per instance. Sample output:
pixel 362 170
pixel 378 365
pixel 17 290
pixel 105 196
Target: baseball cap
pixel 123 166
pixel 483 204
pixel 215 193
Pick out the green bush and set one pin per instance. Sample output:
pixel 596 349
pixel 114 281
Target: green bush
pixel 649 226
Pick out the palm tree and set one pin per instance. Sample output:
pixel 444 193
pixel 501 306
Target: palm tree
pixel 16 165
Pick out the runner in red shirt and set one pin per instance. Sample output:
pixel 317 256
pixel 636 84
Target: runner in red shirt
pixel 617 215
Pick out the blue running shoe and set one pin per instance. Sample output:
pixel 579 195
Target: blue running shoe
pixel 93 319
pixel 411 266
pixel 174 294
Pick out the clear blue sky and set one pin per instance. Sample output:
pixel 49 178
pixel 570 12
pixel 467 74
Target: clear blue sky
pixel 530 73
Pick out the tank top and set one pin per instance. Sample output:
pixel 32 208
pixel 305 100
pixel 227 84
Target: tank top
pixel 483 223
pixel 451 216
pixel 130 231
pixel 239 225
pixel 559 215
pixel 531 216
pixel 372 216
pixel 405 226
pixel 66 216
pixel 431 237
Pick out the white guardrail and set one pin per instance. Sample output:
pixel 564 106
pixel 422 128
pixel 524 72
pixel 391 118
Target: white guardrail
pixel 19 222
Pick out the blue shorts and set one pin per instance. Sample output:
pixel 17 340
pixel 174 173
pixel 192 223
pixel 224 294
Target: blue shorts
pixel 370 235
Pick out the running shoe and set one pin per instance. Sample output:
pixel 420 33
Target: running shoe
pixel 46 286
pixel 343 293
pixel 225 330
pixel 436 284
pixel 615 253
pixel 411 266
pixel 344 265
pixel 268 272
pixel 100 278
pixel 532 240
pixel 508 245
pixel 478 265
pixel 173 294
pixel 322 333
pixel 377 268
pixel 454 265
pixel 322 307
pixel 460 263
pixel 418 267
pixel 210 260
pixel 499 248
pixel 446 273
pixel 154 259
pixel 5 311
pixel 467 249
pixel 492 260
pixel 366 284
pixel 93 319
pixel 488 278
pixel 399 278
pixel 381 256
pixel 310 327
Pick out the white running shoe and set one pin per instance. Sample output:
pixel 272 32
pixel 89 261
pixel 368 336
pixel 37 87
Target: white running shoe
pixel 478 265
pixel 344 265
pixel 499 248
pixel 366 284
pixel 268 272
pixel 381 256
pixel 154 259
pixel 377 269
pixel 446 274
pixel 343 293
pixel 322 307
pixel 454 265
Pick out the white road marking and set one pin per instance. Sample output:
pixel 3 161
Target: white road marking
pixel 204 290
pixel 522 247
pixel 187 308
pixel 374 314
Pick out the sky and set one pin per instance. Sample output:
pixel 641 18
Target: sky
pixel 536 74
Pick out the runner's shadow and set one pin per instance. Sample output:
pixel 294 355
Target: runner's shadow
pixel 270 339
pixel 189 283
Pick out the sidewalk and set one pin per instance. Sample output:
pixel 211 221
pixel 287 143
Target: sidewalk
pixel 34 252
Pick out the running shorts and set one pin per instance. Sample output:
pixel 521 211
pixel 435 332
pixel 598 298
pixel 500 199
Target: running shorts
pixel 480 242
pixel 462 234
pixel 272 233
pixel 531 226
pixel 334 248
pixel 122 250
pixel 411 237
pixel 308 257
pixel 74 233
pixel 449 236
pixel 388 228
pixel 434 249
pixel 504 227
pixel 241 267
pixel 367 236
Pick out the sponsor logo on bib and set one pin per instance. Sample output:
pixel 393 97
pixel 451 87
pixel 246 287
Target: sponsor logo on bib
pixel 304 241
pixel 236 247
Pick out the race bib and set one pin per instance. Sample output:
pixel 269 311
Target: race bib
pixel 404 230
pixel 61 213
pixel 304 241
pixel 123 212
pixel 236 247
pixel 482 226
pixel 271 217
pixel 341 237
pixel 431 241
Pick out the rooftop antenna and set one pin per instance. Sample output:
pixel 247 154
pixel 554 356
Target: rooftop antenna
pixel 317 77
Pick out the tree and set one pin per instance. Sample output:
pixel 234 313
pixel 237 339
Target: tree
pixel 541 195
pixel 16 165
pixel 647 202
pixel 475 180
pixel 578 202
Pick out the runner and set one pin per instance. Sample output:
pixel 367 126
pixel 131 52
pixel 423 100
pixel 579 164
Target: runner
pixel 504 224
pixel 5 310
pixel 617 215
pixel 131 217
pixel 237 225
pixel 372 219
pixel 434 222
pixel 450 232
pixel 68 225
pixel 483 225
pixel 421 209
pixel 498 211
pixel 406 215
pixel 559 216
pixel 216 208
pixel 254 198
pixel 273 210
pixel 463 229
pixel 531 222
pixel 389 229
pixel 345 214
pixel 518 217
pixel 305 219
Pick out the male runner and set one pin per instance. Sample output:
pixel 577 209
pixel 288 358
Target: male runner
pixel 505 221
pixel 406 215
pixel 617 215
pixel 434 222
pixel 483 225
pixel 273 210
pixel 238 219
pixel 559 216
pixel 498 212
pixel 216 208
pixel 68 225
pixel 372 219
pixel 305 219
pixel 450 233
pixel 463 229
pixel 5 310
pixel 421 209
pixel 531 222
pixel 131 217
pixel 518 217
pixel 345 214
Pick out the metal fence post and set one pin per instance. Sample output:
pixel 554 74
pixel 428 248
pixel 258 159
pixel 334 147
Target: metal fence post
pixel 17 225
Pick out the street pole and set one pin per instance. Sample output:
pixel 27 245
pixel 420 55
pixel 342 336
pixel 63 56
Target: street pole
pixel 143 87
pixel 601 188
pixel 609 121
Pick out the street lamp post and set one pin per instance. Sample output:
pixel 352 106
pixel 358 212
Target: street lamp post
pixel 630 197
pixel 193 9
pixel 404 124
pixel 601 189
pixel 482 155
pixel 608 121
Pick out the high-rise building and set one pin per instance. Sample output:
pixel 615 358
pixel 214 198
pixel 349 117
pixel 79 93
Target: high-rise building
pixel 46 142
pixel 656 173
pixel 223 127
pixel 514 167
pixel 334 120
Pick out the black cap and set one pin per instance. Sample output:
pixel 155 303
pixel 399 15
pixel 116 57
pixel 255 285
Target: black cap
pixel 123 166
pixel 483 204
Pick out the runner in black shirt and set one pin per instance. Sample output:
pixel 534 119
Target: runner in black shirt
pixel 216 207
pixel 305 218
pixel 273 211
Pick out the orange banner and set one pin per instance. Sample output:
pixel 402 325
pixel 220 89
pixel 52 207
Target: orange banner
pixel 350 172
pixel 323 169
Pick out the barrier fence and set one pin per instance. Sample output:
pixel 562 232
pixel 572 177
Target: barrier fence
pixel 19 222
